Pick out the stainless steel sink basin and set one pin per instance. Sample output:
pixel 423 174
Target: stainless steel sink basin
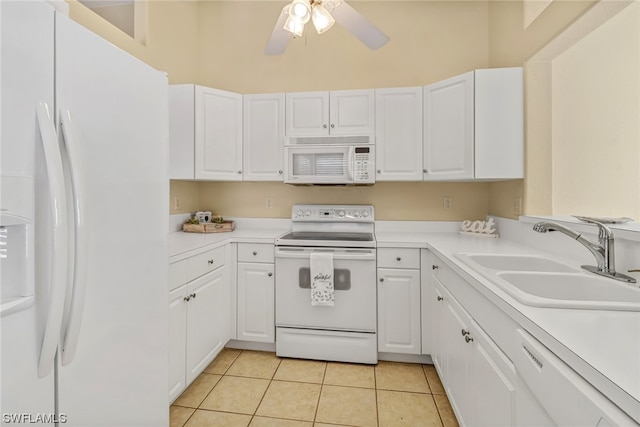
pixel 506 262
pixel 569 290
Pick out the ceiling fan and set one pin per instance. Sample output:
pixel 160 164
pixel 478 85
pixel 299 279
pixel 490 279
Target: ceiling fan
pixel 323 14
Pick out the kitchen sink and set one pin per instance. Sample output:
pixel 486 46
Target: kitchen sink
pixel 569 290
pixel 506 262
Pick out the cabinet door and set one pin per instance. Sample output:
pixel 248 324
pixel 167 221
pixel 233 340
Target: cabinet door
pixel 427 301
pixel 218 134
pixel 499 124
pixel 449 129
pixel 263 133
pixel 256 302
pixel 177 341
pixel 307 113
pixel 181 131
pixel 399 311
pixel 495 406
pixel 399 134
pixel 352 112
pixel 207 320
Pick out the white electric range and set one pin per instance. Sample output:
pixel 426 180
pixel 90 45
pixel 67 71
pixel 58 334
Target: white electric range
pixel 346 331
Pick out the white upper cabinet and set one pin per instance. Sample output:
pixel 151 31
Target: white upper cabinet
pixel 473 126
pixel 206 133
pixel 345 112
pixel 263 134
pixel 398 125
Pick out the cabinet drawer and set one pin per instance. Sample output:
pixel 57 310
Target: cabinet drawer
pixel 255 252
pixel 177 274
pixel 398 258
pixel 205 262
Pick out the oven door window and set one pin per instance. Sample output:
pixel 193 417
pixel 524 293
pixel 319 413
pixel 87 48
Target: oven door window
pixel 341 278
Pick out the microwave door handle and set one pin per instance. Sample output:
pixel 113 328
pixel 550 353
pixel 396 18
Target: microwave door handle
pixel 350 163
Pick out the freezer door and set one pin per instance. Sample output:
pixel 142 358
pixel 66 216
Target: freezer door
pixel 114 367
pixel 26 79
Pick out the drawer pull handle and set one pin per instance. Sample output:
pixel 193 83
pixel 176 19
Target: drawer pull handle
pixel 193 295
pixel 187 298
pixel 269 274
pixel 440 298
pixel 398 259
pixel 464 332
pixel 255 253
pixel 434 267
pixel 468 338
pixel 210 262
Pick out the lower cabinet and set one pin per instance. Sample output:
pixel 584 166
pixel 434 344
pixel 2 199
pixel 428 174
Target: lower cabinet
pixel 399 311
pixel 477 376
pixel 199 318
pixel 256 293
pixel 256 302
pixel 399 300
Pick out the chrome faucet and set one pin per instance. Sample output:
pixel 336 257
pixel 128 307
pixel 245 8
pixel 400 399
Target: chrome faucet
pixel 603 250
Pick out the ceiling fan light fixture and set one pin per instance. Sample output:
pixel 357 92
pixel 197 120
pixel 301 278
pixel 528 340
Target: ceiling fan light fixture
pixel 300 10
pixel 321 18
pixel 294 26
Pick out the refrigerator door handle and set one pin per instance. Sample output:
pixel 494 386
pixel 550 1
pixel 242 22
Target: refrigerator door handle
pixel 60 242
pixel 71 331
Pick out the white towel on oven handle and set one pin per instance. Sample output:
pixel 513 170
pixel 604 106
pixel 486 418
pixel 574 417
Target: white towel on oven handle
pixel 321 271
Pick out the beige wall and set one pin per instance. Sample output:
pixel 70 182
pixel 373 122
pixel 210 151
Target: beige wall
pixel 596 126
pixel 221 43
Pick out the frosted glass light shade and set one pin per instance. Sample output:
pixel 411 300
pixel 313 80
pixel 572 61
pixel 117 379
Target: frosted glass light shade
pixel 301 10
pixel 321 18
pixel 294 26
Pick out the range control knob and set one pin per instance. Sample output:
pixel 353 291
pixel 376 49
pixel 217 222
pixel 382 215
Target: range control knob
pixel 299 212
pixel 307 213
pixel 356 214
pixel 341 214
pixel 365 213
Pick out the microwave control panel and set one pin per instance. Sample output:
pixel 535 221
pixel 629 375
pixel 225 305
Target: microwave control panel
pixel 363 164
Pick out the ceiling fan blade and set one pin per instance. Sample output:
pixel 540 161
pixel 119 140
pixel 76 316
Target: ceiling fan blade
pixel 359 26
pixel 279 37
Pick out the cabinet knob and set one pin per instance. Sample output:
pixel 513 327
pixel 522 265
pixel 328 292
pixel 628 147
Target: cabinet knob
pixel 332 125
pixel 398 259
pixel 464 332
pixel 280 172
pixel 187 298
pixel 255 253
pixel 434 267
pixel 440 298
pixel 425 171
pixel 210 262
pixel 379 171
pixel 239 172
pixel 269 274
pixel 381 279
pixel 324 126
pixel 193 295
pixel 468 338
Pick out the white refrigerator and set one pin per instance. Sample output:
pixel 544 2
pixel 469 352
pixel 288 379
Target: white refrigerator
pixel 84 192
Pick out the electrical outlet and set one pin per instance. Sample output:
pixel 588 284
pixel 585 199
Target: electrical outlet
pixel 268 202
pixel 517 206
pixel 176 203
pixel 447 203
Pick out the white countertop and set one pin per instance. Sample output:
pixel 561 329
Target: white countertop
pixel 602 346
pixel 181 243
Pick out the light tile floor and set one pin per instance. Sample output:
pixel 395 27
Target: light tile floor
pixel 257 389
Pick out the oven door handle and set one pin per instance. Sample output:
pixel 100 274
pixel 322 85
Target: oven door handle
pixel 338 254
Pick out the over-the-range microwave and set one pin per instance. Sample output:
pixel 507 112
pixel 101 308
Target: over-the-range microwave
pixel 329 160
